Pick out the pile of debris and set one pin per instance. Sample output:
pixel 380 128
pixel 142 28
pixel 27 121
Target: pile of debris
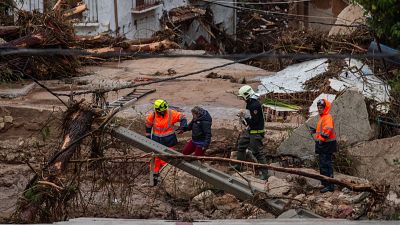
pixel 53 31
pixel 38 31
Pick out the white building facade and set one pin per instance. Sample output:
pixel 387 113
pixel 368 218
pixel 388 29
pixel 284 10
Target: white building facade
pixel 134 19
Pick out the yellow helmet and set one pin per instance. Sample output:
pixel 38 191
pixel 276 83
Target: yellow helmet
pixel 246 92
pixel 160 105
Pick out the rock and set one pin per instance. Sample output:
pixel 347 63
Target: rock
pixel 351 124
pixel 181 185
pixel 300 197
pixel 1 119
pixel 226 202
pixel 2 124
pixel 204 200
pixel 346 190
pixel 277 187
pixel 378 160
pixel 350 15
pixel 8 119
pixel 392 197
pixel 344 211
pixel 359 198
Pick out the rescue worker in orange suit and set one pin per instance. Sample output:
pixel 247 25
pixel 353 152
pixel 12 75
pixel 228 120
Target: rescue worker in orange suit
pixel 325 142
pixel 160 128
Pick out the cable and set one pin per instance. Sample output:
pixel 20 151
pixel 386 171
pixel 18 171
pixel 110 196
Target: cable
pixel 162 80
pixel 264 3
pixel 7 52
pixel 289 15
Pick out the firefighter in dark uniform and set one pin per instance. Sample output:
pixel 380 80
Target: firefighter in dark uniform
pixel 252 136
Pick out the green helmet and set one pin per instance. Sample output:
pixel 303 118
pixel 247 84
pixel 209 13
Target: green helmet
pixel 160 105
pixel 246 92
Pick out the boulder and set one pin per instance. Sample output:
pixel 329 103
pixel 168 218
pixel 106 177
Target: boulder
pixel 378 161
pixel 181 185
pixel 351 124
pixel 277 187
pixel 351 15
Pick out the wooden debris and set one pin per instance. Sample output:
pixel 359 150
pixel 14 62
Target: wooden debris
pixel 8 30
pixel 76 10
pixel 151 47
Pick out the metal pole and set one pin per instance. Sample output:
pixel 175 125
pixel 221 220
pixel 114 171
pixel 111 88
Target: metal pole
pixel 116 17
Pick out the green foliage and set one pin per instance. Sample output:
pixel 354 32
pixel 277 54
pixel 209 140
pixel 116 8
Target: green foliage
pixel 45 133
pixel 385 19
pixel 275 102
pixel 395 85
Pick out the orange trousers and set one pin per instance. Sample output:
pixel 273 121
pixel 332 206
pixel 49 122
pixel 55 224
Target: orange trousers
pixel 158 164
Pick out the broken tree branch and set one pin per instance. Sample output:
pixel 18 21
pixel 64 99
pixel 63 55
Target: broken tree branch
pixel 353 186
pixel 76 10
pixel 58 4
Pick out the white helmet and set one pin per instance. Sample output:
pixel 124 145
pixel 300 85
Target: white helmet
pixel 246 92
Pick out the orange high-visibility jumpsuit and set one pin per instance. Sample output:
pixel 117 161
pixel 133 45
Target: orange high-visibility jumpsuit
pixel 161 129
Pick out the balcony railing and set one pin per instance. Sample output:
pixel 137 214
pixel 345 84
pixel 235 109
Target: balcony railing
pixel 92 14
pixel 144 4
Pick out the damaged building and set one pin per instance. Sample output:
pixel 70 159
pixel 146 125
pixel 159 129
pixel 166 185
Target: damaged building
pixel 140 19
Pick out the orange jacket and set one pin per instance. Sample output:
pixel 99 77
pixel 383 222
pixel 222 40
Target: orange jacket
pixel 162 126
pixel 325 130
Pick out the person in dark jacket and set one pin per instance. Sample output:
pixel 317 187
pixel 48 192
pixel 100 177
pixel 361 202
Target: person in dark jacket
pixel 201 132
pixel 252 136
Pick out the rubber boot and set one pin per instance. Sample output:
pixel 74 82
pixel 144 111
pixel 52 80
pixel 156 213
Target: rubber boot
pixel 156 177
pixel 240 156
pixel 264 175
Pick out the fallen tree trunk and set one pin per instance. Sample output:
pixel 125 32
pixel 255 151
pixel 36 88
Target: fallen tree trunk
pixel 9 30
pixel 58 4
pixel 26 41
pixel 349 184
pixel 76 10
pixel 152 47
pixel 77 123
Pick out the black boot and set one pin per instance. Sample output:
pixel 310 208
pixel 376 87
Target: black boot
pixel 326 189
pixel 156 177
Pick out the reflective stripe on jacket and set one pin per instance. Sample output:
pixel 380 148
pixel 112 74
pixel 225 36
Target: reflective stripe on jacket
pixel 325 130
pixel 162 126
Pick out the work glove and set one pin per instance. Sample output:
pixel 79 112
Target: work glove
pixel 244 113
pixel 180 130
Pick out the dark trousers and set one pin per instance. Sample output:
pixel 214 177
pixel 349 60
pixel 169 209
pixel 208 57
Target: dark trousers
pixel 325 167
pixel 254 143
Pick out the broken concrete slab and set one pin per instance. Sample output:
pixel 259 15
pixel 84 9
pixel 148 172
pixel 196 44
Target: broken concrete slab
pixel 15 93
pixel 359 76
pixel 277 187
pixel 351 15
pixel 351 125
pixel 292 78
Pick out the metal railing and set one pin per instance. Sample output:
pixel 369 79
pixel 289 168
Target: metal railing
pixel 35 5
pixel 92 14
pixel 143 4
